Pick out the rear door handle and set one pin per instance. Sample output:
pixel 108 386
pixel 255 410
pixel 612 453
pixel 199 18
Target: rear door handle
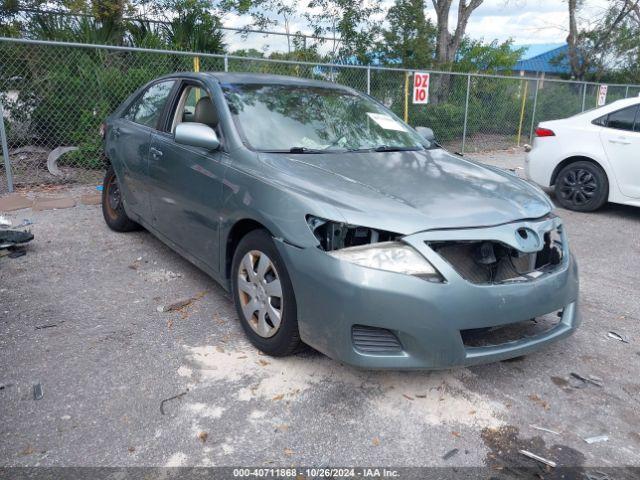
pixel 155 153
pixel 621 141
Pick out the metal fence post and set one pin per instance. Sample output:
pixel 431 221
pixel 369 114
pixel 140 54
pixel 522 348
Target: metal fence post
pixel 626 93
pixel 584 97
pixel 535 105
pixel 466 115
pixel 226 62
pixel 5 151
pixel 368 79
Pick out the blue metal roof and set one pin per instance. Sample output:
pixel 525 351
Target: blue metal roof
pixel 546 62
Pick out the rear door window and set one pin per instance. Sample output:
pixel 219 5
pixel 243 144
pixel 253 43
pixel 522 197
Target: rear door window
pixel 147 109
pixel 623 119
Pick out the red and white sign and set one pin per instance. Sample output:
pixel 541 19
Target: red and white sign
pixel 602 95
pixel 420 87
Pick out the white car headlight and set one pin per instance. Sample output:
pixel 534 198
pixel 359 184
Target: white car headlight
pixel 390 256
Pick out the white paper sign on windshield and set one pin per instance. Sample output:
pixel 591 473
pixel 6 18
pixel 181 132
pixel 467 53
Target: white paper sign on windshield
pixel 386 122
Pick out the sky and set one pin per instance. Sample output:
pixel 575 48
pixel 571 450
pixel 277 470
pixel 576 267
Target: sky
pixel 525 21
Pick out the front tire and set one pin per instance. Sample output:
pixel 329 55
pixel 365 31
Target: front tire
pixel 112 207
pixel 582 186
pixel 263 295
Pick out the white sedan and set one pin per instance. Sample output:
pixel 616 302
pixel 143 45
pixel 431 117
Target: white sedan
pixel 590 158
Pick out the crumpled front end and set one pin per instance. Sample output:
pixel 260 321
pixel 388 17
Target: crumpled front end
pixel 504 291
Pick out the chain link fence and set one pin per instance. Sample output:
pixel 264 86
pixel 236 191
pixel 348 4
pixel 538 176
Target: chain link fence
pixel 55 95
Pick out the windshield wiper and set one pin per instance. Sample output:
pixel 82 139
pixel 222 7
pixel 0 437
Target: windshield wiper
pixel 304 150
pixel 390 148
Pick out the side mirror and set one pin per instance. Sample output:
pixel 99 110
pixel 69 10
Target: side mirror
pixel 427 133
pixel 196 135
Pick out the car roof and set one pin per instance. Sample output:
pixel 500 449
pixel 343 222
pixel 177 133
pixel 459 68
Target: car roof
pixel 265 78
pixel 625 102
pixel 257 78
pixel 597 112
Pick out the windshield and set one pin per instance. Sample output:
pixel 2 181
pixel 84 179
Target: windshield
pixel 305 119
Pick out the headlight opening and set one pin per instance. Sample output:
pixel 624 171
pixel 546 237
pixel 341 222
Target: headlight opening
pixel 371 248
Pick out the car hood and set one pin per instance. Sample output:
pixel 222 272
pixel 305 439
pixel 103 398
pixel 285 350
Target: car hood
pixel 408 192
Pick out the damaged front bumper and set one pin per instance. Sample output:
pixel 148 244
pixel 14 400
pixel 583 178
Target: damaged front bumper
pixel 377 319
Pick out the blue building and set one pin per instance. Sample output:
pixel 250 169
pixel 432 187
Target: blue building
pixel 544 61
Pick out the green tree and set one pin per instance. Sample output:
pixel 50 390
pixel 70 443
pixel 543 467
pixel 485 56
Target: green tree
pixel 478 56
pixel 410 37
pixel 612 37
pixel 349 24
pixel 192 25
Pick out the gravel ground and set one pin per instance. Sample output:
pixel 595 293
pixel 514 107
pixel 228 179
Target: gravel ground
pixel 78 316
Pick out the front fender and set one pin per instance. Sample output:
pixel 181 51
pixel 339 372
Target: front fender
pixel 249 196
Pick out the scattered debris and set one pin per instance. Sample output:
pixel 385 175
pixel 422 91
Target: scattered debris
pixel 456 434
pixel 180 304
pixel 536 399
pixel 12 239
pixel 53 157
pixel 263 363
pixel 375 442
pixel 28 451
pixel 175 397
pixel 288 451
pixel 17 251
pixel 450 454
pixel 42 327
pixel 593 380
pixel 12 236
pixel 38 392
pixel 155 276
pixel 596 439
pixel 408 397
pixel 560 382
pixel 175 305
pixel 596 476
pixel 202 436
pixel 278 397
pixel 132 449
pixel 542 429
pixel 618 336
pixel 527 453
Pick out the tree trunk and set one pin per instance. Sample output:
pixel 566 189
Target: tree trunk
pixel 572 41
pixel 448 43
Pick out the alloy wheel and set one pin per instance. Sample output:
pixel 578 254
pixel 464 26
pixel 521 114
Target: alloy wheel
pixel 578 186
pixel 260 293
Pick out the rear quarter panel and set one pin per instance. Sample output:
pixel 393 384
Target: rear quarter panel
pixel 570 140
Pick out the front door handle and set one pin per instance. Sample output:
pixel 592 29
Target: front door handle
pixel 621 141
pixel 155 153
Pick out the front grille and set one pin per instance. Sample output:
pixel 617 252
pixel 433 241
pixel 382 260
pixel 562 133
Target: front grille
pixel 490 262
pixel 375 340
pixel 499 335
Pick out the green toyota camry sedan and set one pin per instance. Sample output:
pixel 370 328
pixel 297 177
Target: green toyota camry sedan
pixel 335 224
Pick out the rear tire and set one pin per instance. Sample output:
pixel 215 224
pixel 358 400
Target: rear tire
pixel 582 186
pixel 263 295
pixel 112 207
